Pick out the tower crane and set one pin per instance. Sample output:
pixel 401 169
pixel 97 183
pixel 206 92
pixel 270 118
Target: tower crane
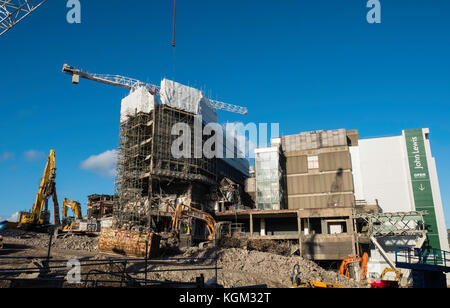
pixel 13 11
pixel 132 84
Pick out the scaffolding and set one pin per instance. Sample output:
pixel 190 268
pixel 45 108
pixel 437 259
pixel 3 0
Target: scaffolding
pixel 146 168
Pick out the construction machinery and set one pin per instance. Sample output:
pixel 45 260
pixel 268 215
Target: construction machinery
pixel 84 227
pixel 297 282
pixel 390 278
pixel 39 217
pixel 77 224
pixel 133 84
pixel 183 211
pixel 344 269
pixel 68 222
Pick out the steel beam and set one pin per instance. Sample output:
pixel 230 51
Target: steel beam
pixel 14 11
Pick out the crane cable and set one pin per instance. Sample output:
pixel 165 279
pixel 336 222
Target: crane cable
pixel 174 22
pixel 173 39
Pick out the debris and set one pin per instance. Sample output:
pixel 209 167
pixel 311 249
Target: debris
pixel 66 242
pixel 240 267
pixel 129 243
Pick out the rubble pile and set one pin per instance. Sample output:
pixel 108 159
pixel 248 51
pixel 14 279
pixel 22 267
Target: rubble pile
pixel 243 265
pixel 63 242
pixel 280 248
pixel 246 268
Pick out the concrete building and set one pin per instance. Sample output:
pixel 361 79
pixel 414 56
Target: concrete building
pixel 100 206
pixel 305 193
pixel 333 176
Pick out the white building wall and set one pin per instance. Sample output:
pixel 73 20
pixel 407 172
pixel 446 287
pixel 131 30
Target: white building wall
pixel 380 172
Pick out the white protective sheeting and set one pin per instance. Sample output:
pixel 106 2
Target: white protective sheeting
pixel 140 100
pixel 188 99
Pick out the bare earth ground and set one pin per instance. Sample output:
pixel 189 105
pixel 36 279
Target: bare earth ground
pixel 239 266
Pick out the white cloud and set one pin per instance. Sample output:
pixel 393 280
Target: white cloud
pixel 33 155
pixel 14 218
pixel 103 164
pixel 7 156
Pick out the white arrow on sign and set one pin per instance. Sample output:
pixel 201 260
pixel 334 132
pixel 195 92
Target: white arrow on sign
pixel 421 187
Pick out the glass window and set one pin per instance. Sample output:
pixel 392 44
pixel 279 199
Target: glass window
pixel 313 162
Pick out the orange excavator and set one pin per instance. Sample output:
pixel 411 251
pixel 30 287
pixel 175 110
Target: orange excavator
pixel 345 266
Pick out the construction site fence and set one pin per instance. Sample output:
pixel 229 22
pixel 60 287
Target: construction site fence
pixel 55 272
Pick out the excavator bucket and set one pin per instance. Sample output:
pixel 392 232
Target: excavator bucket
pixel 129 243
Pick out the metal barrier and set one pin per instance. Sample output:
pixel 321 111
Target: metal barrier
pixel 56 271
pixel 411 258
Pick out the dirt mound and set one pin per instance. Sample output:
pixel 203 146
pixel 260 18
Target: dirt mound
pixel 241 263
pixel 241 267
pixel 63 242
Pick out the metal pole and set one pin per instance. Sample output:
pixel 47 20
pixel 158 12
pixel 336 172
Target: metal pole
pixel 217 273
pixel 123 272
pixel 50 244
pixel 146 257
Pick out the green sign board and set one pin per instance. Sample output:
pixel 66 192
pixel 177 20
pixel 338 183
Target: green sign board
pixel 421 184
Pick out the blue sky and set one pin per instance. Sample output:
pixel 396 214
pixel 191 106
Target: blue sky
pixel 304 64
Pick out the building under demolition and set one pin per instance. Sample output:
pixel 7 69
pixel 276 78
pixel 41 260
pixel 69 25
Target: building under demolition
pixel 329 191
pixel 100 206
pixel 148 171
pixel 339 195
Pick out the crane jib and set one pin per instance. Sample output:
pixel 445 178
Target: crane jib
pixel 131 83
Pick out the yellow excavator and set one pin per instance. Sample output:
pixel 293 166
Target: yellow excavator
pixel 39 217
pixel 217 230
pixel 298 283
pixel 68 222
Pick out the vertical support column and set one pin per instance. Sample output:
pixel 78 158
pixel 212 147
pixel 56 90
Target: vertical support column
pixel 324 226
pixel 152 162
pixel 150 197
pixel 299 223
pixel 263 227
pixel 355 241
pixel 251 225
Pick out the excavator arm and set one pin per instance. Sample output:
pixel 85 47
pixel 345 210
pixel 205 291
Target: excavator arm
pixel 183 210
pixel 47 189
pixel 68 224
pixel 74 206
pixel 344 269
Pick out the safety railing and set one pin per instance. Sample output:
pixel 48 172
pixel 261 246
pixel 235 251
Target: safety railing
pixel 431 257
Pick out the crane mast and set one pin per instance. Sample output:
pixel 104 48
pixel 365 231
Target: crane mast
pixel 131 84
